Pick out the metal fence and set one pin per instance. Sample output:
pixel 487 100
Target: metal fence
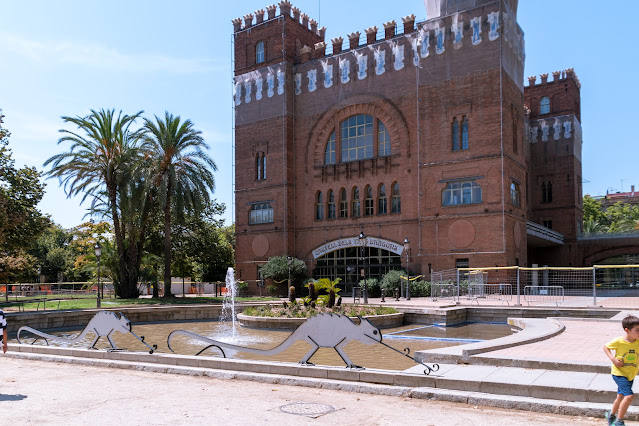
pixel 615 286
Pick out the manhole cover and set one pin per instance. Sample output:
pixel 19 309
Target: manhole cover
pixel 308 409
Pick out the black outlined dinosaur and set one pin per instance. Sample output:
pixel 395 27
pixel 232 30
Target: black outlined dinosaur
pixel 320 331
pixel 104 323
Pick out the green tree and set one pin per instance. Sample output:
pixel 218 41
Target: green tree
pixel 103 163
pixel 183 173
pixel 277 269
pixel 622 217
pixel 21 223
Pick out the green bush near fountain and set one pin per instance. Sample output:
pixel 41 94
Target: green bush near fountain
pixel 296 310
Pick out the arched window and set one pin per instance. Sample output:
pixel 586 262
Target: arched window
pixel 343 203
pixel 329 156
pixel 357 137
pixel 259 53
pixel 382 202
pixel 544 105
pixel 369 203
pixel 356 203
pixel 458 193
pixel 319 206
pixel 261 213
pixel 383 140
pixel 396 201
pixel 331 205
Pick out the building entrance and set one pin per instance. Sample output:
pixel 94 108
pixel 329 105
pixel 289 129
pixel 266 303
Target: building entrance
pixel 347 264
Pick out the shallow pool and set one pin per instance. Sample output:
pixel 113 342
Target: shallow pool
pixel 413 336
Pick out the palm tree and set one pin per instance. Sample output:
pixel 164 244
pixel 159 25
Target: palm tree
pixel 183 173
pixel 98 164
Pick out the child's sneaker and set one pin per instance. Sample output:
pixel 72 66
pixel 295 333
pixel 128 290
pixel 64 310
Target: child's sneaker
pixel 618 422
pixel 610 417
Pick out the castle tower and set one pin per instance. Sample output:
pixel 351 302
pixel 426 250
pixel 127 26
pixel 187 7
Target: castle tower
pixel 554 136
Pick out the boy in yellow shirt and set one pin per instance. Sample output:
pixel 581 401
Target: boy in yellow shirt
pixel 624 368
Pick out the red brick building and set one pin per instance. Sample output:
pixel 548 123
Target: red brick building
pixel 423 133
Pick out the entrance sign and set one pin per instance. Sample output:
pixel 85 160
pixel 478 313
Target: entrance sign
pixel 354 242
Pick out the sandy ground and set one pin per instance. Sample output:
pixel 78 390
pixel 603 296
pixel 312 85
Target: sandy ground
pixel 38 392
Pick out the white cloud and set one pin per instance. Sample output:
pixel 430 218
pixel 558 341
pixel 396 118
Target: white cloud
pixel 103 57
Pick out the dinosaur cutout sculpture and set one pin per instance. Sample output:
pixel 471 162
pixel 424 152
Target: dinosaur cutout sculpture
pixel 320 331
pixel 104 323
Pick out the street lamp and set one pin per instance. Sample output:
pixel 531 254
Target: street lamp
pixel 289 260
pixel 98 253
pixel 362 248
pixel 407 250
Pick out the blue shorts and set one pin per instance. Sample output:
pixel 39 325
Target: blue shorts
pixel 624 386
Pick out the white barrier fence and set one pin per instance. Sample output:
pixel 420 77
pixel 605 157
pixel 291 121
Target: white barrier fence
pixel 546 294
pixel 599 285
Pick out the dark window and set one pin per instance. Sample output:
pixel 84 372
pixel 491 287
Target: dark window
pixel 459 131
pixel 548 224
pixel 458 193
pixel 464 132
pixel 343 203
pixel 515 194
pixel 369 203
pixel 356 203
pixel 382 202
pixel 261 213
pixel 319 207
pixel 455 132
pixel 331 205
pixel 259 53
pixel 462 263
pixel 515 136
pixel 260 166
pixel 396 201
pixel 546 192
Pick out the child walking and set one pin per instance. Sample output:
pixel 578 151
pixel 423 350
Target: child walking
pixel 624 368
pixel 3 326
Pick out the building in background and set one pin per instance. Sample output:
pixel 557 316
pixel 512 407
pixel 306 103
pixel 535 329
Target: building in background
pixel 422 133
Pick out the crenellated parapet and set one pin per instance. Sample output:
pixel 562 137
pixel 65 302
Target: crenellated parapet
pixel 286 9
pixel 557 77
pixel 416 46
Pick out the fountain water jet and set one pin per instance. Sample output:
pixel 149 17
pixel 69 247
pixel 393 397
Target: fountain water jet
pixel 228 304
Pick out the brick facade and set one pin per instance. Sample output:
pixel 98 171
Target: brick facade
pixel 286 111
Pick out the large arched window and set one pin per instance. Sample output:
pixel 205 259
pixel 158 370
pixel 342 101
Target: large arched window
pixel 458 193
pixel 343 203
pixel 329 156
pixel 330 208
pixel 382 202
pixel 369 202
pixel 319 206
pixel 356 203
pixel 396 201
pixel 359 137
pixel 544 105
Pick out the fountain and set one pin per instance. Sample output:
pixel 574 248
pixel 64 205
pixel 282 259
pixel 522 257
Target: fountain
pixel 228 304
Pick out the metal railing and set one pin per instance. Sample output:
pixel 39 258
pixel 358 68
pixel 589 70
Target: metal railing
pixel 495 292
pixel 544 294
pixel 443 291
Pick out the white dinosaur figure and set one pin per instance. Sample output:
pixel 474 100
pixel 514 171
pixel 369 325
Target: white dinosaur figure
pixel 320 331
pixel 104 323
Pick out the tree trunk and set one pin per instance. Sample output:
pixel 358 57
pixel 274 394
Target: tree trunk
pixel 167 241
pixel 118 240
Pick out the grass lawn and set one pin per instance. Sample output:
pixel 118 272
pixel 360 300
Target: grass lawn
pixel 90 302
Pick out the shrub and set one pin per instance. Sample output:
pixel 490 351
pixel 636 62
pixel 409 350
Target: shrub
pixel 420 288
pixel 272 289
pixel 372 287
pixel 392 280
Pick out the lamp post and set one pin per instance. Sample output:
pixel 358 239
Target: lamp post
pixel 407 250
pixel 362 248
pixel 98 253
pixel 289 260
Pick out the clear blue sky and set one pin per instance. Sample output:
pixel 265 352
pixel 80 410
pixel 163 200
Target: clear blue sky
pixel 65 57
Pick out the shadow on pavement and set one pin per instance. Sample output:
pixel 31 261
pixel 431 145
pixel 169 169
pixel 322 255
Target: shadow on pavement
pixel 12 397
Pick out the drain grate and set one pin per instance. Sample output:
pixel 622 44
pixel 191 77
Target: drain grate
pixel 308 409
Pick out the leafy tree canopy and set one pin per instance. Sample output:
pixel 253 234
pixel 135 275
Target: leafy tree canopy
pixel 277 269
